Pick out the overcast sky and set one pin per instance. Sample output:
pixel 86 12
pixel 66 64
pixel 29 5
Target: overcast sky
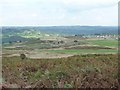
pixel 59 12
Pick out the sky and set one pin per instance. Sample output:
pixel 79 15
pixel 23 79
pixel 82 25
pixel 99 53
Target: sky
pixel 58 12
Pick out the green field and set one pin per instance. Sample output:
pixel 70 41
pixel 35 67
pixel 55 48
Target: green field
pixel 112 43
pixel 85 51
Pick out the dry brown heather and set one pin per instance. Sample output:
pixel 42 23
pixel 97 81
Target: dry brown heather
pixel 85 71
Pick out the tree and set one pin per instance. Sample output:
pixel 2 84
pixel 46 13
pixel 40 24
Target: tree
pixel 20 41
pixel 75 41
pixel 61 41
pixel 10 42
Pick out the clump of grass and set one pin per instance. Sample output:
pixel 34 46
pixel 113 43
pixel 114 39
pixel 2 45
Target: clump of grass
pixel 67 85
pixel 87 69
pixel 61 74
pixel 38 74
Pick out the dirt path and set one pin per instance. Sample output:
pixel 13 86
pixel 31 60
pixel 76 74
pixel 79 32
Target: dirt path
pixel 48 55
pixel 45 55
pixel 38 55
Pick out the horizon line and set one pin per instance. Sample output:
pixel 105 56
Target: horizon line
pixel 55 25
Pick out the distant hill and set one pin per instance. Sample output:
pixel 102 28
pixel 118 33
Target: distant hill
pixel 13 39
pixel 23 33
pixel 64 30
pixel 71 30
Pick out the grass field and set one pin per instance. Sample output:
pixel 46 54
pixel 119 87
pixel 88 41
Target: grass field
pixel 112 43
pixel 85 51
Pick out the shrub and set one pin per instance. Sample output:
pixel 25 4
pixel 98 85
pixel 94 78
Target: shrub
pixel 22 56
